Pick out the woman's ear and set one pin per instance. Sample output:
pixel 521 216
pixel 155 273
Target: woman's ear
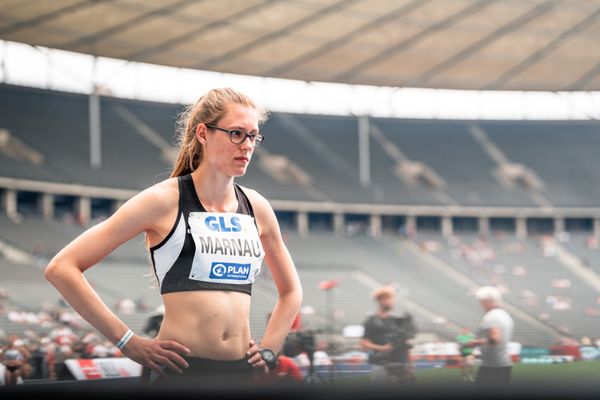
pixel 201 133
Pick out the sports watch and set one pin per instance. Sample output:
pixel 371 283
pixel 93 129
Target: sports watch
pixel 269 358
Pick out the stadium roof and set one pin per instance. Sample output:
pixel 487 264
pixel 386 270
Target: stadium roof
pixel 456 44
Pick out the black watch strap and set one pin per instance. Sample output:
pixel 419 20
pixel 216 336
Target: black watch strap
pixel 269 358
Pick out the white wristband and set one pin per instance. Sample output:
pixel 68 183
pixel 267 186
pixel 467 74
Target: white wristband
pixel 121 343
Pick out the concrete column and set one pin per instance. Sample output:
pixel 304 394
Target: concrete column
pixel 363 151
pixel 338 223
pixel 559 224
pixel 46 205
pixel 597 227
pixel 447 228
pixel 95 131
pixel 9 203
pixel 84 210
pixel 302 223
pixel 411 225
pixel 484 226
pixel 375 225
pixel 521 227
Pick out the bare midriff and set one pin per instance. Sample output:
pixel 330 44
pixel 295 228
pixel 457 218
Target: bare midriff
pixel 213 324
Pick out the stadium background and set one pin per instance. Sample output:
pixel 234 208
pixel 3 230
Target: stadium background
pixel 434 206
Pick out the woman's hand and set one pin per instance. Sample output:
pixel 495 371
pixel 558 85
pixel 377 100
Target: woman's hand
pixel 155 354
pixel 254 357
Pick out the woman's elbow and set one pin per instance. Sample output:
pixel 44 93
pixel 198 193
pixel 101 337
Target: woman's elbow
pixel 55 270
pixel 51 270
pixel 293 298
pixel 299 296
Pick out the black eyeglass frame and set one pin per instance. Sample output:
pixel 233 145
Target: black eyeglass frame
pixel 258 137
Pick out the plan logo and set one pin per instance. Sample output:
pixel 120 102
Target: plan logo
pixel 222 270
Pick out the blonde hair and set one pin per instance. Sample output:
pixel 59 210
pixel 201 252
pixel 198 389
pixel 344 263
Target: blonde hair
pixel 382 292
pixel 209 109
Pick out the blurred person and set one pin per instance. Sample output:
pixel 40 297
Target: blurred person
pixel 63 353
pixel 2 369
pixel 17 368
pixel 286 370
pixel 125 306
pixel 154 321
pixel 207 238
pixel 386 339
pixel 36 360
pixel 467 358
pixel 493 335
pixel 141 305
pixel 12 362
pixel 21 346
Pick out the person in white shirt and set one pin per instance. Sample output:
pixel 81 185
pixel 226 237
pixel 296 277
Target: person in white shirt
pixel 493 335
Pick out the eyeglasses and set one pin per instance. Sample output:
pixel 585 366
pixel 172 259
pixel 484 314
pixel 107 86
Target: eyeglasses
pixel 238 137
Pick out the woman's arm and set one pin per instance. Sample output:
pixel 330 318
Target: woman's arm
pixel 65 272
pixel 283 272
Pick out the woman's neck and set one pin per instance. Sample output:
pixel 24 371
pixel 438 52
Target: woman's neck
pixel 214 189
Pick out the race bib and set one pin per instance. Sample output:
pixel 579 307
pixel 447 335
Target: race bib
pixel 228 248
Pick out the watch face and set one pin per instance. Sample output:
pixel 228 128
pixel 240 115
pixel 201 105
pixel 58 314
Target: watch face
pixel 267 355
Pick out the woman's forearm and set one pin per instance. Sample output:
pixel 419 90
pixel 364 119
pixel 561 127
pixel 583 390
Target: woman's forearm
pixel 279 325
pixel 76 290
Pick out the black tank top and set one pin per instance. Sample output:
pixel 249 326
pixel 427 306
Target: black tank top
pixel 208 250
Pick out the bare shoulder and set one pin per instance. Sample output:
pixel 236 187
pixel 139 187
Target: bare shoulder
pixel 164 193
pixel 263 212
pixel 158 198
pixel 258 201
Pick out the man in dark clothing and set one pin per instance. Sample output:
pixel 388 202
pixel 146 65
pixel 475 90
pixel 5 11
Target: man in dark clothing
pixel 386 338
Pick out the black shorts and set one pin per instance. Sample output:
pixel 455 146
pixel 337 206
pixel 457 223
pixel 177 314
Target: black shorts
pixel 493 376
pixel 201 373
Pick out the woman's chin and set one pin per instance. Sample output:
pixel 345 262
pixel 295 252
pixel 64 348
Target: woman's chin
pixel 238 172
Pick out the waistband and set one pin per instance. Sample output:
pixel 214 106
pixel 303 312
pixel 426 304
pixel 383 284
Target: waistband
pixel 202 371
pixel 218 365
pixel 188 285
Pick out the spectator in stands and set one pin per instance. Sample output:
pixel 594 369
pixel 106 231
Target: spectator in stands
pixel 141 305
pixel 493 335
pixel 2 369
pixel 16 361
pixel 63 353
pixel 205 276
pixel 591 242
pixel 563 236
pixel 13 362
pixel 125 306
pixel 36 361
pixel 154 321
